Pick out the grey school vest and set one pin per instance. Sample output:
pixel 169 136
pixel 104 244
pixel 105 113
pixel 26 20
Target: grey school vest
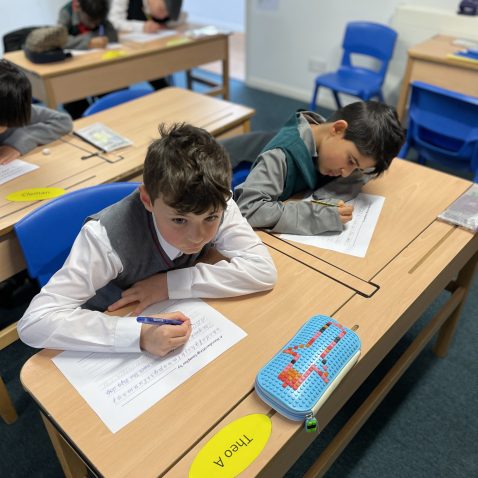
pixel 131 231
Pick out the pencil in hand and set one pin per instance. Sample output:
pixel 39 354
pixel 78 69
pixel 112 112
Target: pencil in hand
pixel 324 203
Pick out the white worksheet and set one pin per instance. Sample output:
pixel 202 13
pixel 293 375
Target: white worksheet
pixel 356 236
pixel 140 37
pixel 120 387
pixel 15 168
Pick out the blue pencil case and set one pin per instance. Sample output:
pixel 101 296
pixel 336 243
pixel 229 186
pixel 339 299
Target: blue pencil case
pixel 300 378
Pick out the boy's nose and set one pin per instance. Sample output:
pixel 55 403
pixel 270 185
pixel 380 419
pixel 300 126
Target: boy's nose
pixel 347 170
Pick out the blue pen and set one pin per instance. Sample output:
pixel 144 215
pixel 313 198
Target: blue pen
pixel 155 321
pixel 101 30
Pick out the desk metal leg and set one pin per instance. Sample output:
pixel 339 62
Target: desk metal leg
pixel 462 283
pixel 72 465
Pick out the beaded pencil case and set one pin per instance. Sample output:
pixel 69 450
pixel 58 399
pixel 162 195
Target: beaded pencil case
pixel 299 378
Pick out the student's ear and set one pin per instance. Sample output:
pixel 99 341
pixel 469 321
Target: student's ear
pixel 145 199
pixel 338 127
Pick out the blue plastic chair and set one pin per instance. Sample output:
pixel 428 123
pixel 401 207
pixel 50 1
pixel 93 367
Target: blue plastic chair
pixel 442 127
pixel 116 98
pixel 361 38
pixel 47 234
pixel 239 173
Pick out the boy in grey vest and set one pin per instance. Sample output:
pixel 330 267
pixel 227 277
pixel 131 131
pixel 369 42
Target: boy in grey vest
pixel 334 158
pixel 180 235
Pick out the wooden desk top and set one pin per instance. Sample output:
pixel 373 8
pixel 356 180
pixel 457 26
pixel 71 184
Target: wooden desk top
pixel 130 49
pixel 437 48
pixel 137 120
pixel 415 195
pixel 154 441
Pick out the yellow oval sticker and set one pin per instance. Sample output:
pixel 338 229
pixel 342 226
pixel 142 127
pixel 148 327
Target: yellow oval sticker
pixel 233 448
pixel 35 194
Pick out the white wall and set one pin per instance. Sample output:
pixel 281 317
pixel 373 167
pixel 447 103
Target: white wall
pixel 229 14
pixel 24 13
pixel 282 42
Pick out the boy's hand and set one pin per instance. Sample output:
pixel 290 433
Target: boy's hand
pixel 159 340
pixel 98 42
pixel 145 292
pixel 150 26
pixel 8 154
pixel 345 212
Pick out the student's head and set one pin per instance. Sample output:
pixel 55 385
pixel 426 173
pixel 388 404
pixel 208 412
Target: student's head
pixel 187 183
pixel 163 9
pixel 362 135
pixel 15 97
pixel 93 12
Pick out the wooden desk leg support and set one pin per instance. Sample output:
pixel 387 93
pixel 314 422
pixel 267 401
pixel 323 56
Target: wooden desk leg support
pixel 7 411
pixel 445 321
pixel 8 335
pixel 71 463
pixel 447 331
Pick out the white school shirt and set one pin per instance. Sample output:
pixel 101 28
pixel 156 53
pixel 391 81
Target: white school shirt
pixel 118 16
pixel 56 320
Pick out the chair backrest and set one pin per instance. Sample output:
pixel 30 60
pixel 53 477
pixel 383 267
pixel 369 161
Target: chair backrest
pixel 444 122
pixel 15 39
pixel 116 98
pixel 370 39
pixel 47 234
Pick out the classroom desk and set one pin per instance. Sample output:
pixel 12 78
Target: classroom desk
pixel 438 256
pixel 89 74
pixel 414 194
pixel 428 62
pixel 136 120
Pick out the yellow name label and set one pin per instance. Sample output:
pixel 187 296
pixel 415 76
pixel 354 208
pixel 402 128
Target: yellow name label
pixel 35 194
pixel 233 448
pixel 112 54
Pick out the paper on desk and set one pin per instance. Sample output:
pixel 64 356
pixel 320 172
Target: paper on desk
pixel 139 37
pixel 15 168
pixel 120 387
pixel 356 236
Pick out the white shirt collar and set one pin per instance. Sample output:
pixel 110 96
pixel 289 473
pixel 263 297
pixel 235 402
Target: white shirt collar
pixel 170 250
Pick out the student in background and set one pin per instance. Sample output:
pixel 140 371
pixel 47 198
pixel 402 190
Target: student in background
pixel 332 158
pixel 24 126
pixel 87 24
pixel 180 235
pixel 146 16
pixel 88 27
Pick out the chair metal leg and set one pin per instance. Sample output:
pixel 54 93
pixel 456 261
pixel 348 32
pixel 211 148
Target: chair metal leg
pixel 313 105
pixel 337 99
pixel 7 411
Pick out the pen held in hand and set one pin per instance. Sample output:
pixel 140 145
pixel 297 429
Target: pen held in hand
pixel 324 203
pixel 156 321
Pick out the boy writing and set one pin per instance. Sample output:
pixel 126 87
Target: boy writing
pixel 24 126
pixel 87 24
pixel 333 158
pixel 179 236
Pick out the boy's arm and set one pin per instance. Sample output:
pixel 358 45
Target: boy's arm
pixel 118 17
pixel 343 188
pixel 248 268
pixel 258 200
pixel 45 126
pixel 55 318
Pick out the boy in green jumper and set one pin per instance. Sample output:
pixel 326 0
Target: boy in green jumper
pixel 333 158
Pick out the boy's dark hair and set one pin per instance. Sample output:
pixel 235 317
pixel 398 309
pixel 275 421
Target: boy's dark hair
pixel 15 96
pixel 188 169
pixel 97 10
pixel 375 130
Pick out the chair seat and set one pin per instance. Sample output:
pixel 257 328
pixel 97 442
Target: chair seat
pixel 352 81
